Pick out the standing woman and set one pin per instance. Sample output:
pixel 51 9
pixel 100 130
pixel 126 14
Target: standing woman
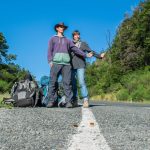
pixel 78 71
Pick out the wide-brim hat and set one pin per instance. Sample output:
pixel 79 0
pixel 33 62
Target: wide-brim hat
pixel 61 24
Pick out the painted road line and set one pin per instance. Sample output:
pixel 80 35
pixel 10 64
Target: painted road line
pixel 88 134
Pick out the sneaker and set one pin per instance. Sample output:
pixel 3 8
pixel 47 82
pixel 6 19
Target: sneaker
pixel 86 104
pixel 69 105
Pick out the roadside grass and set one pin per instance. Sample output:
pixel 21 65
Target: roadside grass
pixel 2 105
pixel 106 97
pixel 112 98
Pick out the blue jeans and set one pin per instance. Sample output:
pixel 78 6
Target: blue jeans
pixel 80 75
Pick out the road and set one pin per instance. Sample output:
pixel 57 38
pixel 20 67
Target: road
pixel 103 126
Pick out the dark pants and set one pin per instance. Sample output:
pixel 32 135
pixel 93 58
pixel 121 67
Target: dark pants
pixel 65 71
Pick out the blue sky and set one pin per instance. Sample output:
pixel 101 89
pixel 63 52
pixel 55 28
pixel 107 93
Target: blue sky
pixel 28 25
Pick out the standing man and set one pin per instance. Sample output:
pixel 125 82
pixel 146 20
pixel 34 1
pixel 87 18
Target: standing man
pixel 59 50
pixel 78 72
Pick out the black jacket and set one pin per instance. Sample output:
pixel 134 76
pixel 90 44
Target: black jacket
pixel 78 61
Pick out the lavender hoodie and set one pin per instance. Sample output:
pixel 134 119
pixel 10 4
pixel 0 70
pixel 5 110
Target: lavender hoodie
pixel 59 50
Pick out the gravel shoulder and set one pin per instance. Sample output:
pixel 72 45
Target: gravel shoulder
pixel 37 128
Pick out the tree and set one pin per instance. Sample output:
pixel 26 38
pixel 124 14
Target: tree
pixel 4 56
pixel 9 72
pixel 131 46
pixel 128 54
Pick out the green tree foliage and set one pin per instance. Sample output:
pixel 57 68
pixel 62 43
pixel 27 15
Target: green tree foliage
pixel 125 70
pixel 4 56
pixel 9 72
pixel 131 46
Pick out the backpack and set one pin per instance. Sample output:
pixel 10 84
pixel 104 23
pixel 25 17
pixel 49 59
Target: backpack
pixel 44 84
pixel 24 93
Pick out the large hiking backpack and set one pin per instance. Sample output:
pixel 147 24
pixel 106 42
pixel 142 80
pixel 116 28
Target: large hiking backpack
pixel 44 85
pixel 25 93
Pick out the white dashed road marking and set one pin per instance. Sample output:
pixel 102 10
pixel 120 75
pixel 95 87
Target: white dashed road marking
pixel 88 136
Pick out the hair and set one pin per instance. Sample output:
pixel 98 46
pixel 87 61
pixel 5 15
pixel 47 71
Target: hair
pixel 75 32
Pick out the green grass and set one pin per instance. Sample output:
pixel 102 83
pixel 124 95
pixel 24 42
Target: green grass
pixel 112 98
pixel 2 105
pixel 106 97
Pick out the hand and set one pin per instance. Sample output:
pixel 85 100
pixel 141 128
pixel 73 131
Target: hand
pixel 51 64
pixel 102 55
pixel 89 54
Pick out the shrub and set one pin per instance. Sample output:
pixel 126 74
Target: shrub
pixel 115 87
pixel 146 95
pixel 140 94
pixel 93 91
pixel 123 95
pixel 4 86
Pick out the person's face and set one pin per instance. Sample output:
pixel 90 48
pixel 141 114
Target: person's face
pixel 76 37
pixel 60 29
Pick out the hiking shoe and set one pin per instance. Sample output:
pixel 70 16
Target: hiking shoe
pixel 51 104
pixel 62 102
pixel 69 105
pixel 86 104
pixel 75 103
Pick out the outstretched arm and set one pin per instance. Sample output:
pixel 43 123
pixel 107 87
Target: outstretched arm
pixel 78 51
pixel 87 49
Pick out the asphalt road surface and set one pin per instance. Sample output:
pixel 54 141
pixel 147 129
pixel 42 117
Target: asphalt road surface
pixel 103 126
